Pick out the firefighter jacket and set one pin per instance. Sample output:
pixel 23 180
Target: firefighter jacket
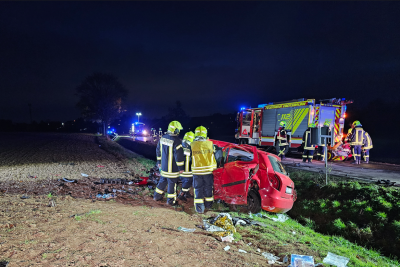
pixel 367 141
pixel 357 136
pixel 307 140
pixel 170 156
pixel 203 160
pixel 282 136
pixel 187 152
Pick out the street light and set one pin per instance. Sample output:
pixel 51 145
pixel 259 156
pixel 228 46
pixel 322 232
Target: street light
pixel 138 114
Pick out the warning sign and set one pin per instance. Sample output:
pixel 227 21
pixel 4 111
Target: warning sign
pixel 245 132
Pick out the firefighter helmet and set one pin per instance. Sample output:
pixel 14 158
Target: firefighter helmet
pixel 189 136
pixel 174 127
pixel 312 125
pixel 357 123
pixel 201 131
pixel 282 123
pixel 327 122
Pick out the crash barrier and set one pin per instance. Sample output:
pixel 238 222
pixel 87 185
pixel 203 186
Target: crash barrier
pixel 146 150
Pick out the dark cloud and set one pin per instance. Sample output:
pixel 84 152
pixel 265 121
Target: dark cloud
pixel 213 56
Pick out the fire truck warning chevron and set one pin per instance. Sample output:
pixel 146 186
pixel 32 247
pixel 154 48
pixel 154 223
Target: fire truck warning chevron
pixel 259 126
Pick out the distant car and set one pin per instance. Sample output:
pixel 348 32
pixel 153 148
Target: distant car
pixel 251 177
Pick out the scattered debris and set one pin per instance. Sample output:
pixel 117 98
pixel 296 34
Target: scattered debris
pixel 385 182
pixel 285 260
pixel 281 217
pixel 186 229
pixel 228 238
pixel 106 196
pixel 84 175
pixel 270 257
pixel 242 251
pixel 30 176
pixel 240 222
pixel 100 166
pixel 24 197
pixel 115 181
pixel 51 203
pixel 302 261
pixel 336 260
pixel 227 248
pixel 249 244
pixel 68 181
pixel 222 225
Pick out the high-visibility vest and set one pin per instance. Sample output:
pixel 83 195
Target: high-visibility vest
pixel 357 136
pixel 367 141
pixel 203 160
pixel 170 155
pixel 307 140
pixel 282 136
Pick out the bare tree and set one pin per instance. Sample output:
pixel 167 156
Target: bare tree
pixel 100 98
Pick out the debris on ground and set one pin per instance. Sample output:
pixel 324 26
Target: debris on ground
pixel 385 182
pixel 68 181
pixel 84 175
pixel 242 251
pixel 270 257
pixel 186 229
pixel 222 225
pixel 228 238
pixel 106 196
pixel 281 217
pixel 24 197
pixel 227 248
pixel 336 260
pixel 301 261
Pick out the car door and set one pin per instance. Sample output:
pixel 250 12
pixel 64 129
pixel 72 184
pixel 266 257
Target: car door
pixel 235 175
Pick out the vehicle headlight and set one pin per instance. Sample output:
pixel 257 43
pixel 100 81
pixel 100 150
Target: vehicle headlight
pixel 145 132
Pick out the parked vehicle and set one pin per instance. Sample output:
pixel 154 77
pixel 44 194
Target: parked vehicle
pixel 139 129
pixel 248 176
pixel 259 126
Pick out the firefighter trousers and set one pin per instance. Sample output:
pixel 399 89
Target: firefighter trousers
pixel 159 192
pixel 187 182
pixel 308 154
pixel 366 155
pixel 203 191
pixel 282 150
pixel 321 153
pixel 357 153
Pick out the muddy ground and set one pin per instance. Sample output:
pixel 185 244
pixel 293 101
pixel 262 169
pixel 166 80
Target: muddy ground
pixel 46 222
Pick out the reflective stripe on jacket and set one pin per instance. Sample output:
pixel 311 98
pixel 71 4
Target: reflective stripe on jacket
pixel 170 156
pixel 367 141
pixel 203 160
pixel 307 140
pixel 187 155
pixel 357 136
pixel 282 136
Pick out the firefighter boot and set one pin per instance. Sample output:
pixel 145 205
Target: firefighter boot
pixel 182 197
pixel 172 202
pixel 157 196
pixel 355 162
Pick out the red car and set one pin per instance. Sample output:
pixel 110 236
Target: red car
pixel 248 176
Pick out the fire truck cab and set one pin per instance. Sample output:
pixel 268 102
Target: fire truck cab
pixel 259 126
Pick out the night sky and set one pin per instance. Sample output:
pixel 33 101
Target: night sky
pixel 212 56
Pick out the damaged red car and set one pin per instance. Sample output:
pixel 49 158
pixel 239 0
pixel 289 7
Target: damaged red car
pixel 251 177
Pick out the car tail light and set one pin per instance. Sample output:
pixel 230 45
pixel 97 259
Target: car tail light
pixel 275 182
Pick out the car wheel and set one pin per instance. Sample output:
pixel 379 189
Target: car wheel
pixel 253 202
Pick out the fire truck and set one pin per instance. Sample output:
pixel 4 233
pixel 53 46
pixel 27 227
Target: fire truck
pixel 259 126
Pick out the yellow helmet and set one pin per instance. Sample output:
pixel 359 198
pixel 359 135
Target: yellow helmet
pixel 174 127
pixel 327 122
pixel 189 136
pixel 201 131
pixel 357 123
pixel 312 125
pixel 282 123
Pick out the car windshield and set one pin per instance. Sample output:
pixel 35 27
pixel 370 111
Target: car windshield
pixel 276 165
pixel 236 154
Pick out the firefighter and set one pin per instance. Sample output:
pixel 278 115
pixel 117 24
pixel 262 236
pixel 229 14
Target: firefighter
pixel 187 176
pixel 356 140
pixel 283 146
pixel 321 147
pixel 367 145
pixel 203 164
pixel 346 139
pixel 308 147
pixel 171 162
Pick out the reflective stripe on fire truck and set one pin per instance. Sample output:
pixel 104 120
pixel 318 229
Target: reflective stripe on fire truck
pixel 316 117
pixel 337 115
